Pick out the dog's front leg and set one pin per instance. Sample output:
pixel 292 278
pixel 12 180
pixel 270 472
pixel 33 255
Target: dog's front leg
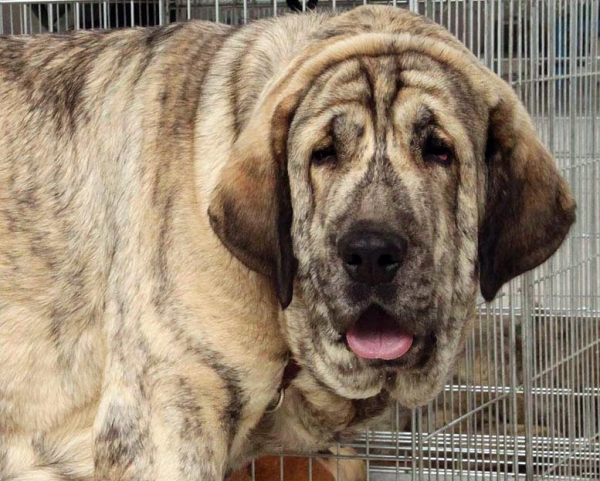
pixel 140 438
pixel 155 423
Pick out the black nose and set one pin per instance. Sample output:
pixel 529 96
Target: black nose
pixel 372 257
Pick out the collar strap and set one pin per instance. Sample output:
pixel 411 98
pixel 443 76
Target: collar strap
pixel 290 373
pixel 292 368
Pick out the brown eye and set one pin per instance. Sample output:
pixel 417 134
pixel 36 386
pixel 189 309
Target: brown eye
pixel 324 156
pixel 435 150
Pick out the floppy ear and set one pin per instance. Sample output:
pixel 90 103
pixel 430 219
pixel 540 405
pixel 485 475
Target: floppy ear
pixel 251 209
pixel 529 207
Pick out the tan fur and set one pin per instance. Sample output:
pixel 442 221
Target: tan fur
pixel 158 209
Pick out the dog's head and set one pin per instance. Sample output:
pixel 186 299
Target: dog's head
pixel 381 180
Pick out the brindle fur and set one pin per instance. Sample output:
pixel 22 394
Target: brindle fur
pixel 158 208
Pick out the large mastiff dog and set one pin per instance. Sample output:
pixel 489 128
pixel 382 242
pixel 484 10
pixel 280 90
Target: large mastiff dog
pixel 184 208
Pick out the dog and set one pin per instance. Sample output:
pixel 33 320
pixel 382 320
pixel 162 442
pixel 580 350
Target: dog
pixel 216 242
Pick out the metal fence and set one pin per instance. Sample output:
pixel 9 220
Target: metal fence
pixel 525 401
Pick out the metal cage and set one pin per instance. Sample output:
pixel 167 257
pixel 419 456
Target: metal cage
pixel 525 401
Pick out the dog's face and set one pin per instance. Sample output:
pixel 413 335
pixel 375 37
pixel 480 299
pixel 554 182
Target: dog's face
pixel 380 151
pixel 396 176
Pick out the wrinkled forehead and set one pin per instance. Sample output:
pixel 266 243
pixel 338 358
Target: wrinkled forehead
pixel 407 91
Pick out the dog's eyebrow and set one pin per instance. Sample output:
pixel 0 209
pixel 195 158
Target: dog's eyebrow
pixel 425 117
pixel 345 131
pixel 337 122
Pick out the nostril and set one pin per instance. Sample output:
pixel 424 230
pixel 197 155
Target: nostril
pixel 387 260
pixel 353 260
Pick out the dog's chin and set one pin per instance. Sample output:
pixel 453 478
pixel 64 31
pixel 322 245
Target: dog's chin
pixel 413 373
pixel 352 377
pixel 412 380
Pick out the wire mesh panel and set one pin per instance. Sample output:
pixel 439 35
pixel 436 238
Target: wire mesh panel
pixel 524 402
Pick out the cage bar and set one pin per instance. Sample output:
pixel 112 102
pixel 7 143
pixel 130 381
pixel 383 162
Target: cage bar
pixel 524 403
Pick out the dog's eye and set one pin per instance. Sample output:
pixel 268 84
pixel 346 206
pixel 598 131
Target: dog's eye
pixel 324 156
pixel 435 150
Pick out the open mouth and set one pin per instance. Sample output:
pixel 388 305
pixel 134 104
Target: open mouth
pixel 376 335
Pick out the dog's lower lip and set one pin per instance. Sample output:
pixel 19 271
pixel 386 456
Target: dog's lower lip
pixel 416 357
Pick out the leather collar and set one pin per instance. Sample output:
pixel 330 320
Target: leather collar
pixel 290 372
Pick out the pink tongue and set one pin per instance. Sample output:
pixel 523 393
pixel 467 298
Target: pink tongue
pixel 376 336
